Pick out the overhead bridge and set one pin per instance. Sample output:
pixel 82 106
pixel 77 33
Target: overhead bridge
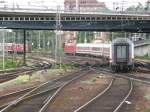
pixel 76 21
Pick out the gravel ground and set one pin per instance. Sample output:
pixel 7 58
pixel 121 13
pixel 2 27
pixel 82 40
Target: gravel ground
pixel 139 99
pixel 79 92
pixel 145 75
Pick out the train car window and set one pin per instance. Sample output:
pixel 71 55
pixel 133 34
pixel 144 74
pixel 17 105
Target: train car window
pixel 26 18
pixel 93 18
pixel 41 18
pixel 52 18
pixel 78 18
pixel 21 18
pixel 16 18
pixel 87 18
pixel 47 18
pixel 103 18
pixel 96 48
pixel 82 18
pixel 108 18
pixel 11 18
pixel 32 18
pixel 6 18
pixel 119 18
pixel 83 48
pixel 1 18
pixel 113 18
pixel 67 18
pixel 72 18
pixel 62 18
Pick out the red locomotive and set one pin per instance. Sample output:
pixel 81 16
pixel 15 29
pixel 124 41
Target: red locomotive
pixel 13 47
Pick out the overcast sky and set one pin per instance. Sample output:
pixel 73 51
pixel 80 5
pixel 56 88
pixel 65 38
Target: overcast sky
pixel 109 3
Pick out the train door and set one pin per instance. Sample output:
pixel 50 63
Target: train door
pixel 122 54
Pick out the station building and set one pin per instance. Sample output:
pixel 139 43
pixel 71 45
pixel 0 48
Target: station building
pixel 83 5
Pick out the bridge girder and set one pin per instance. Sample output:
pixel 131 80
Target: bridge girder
pixel 76 22
pixel 128 26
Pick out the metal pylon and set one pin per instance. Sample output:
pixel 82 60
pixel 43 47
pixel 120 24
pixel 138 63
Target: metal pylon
pixel 58 39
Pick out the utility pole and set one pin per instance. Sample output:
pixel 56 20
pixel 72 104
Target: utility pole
pixel 3 30
pixel 39 41
pixel 24 43
pixel 85 37
pixel 58 37
pixel 77 5
pixel 3 49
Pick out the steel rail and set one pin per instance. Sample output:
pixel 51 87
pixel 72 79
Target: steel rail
pixel 96 97
pixel 126 97
pixel 15 73
pixel 83 107
pixel 125 75
pixel 58 80
pixel 43 109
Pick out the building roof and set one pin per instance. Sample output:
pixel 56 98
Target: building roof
pixel 141 43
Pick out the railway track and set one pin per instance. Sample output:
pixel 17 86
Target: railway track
pixel 58 92
pixel 142 63
pixel 80 60
pixel 11 74
pixel 142 70
pixel 5 99
pixel 111 99
pixel 67 97
pixel 39 95
pixel 142 66
pixel 133 76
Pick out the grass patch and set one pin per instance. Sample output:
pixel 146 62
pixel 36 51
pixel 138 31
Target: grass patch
pixel 143 57
pixel 147 97
pixel 18 81
pixel 147 110
pixel 11 64
pixel 23 78
pixel 93 79
pixel 37 77
pixel 65 67
pixel 55 71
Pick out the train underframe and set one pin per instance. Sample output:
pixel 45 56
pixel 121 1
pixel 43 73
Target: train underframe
pixel 122 67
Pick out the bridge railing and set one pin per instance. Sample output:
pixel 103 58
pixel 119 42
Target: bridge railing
pixel 53 9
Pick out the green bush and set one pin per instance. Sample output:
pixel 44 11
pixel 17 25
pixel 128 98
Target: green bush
pixel 11 64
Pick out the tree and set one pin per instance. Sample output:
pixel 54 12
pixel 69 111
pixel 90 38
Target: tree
pixel 137 9
pixel 85 36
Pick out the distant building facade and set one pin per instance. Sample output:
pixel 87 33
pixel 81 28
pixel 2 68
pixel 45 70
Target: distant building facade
pixel 70 37
pixel 83 5
pixel 100 37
